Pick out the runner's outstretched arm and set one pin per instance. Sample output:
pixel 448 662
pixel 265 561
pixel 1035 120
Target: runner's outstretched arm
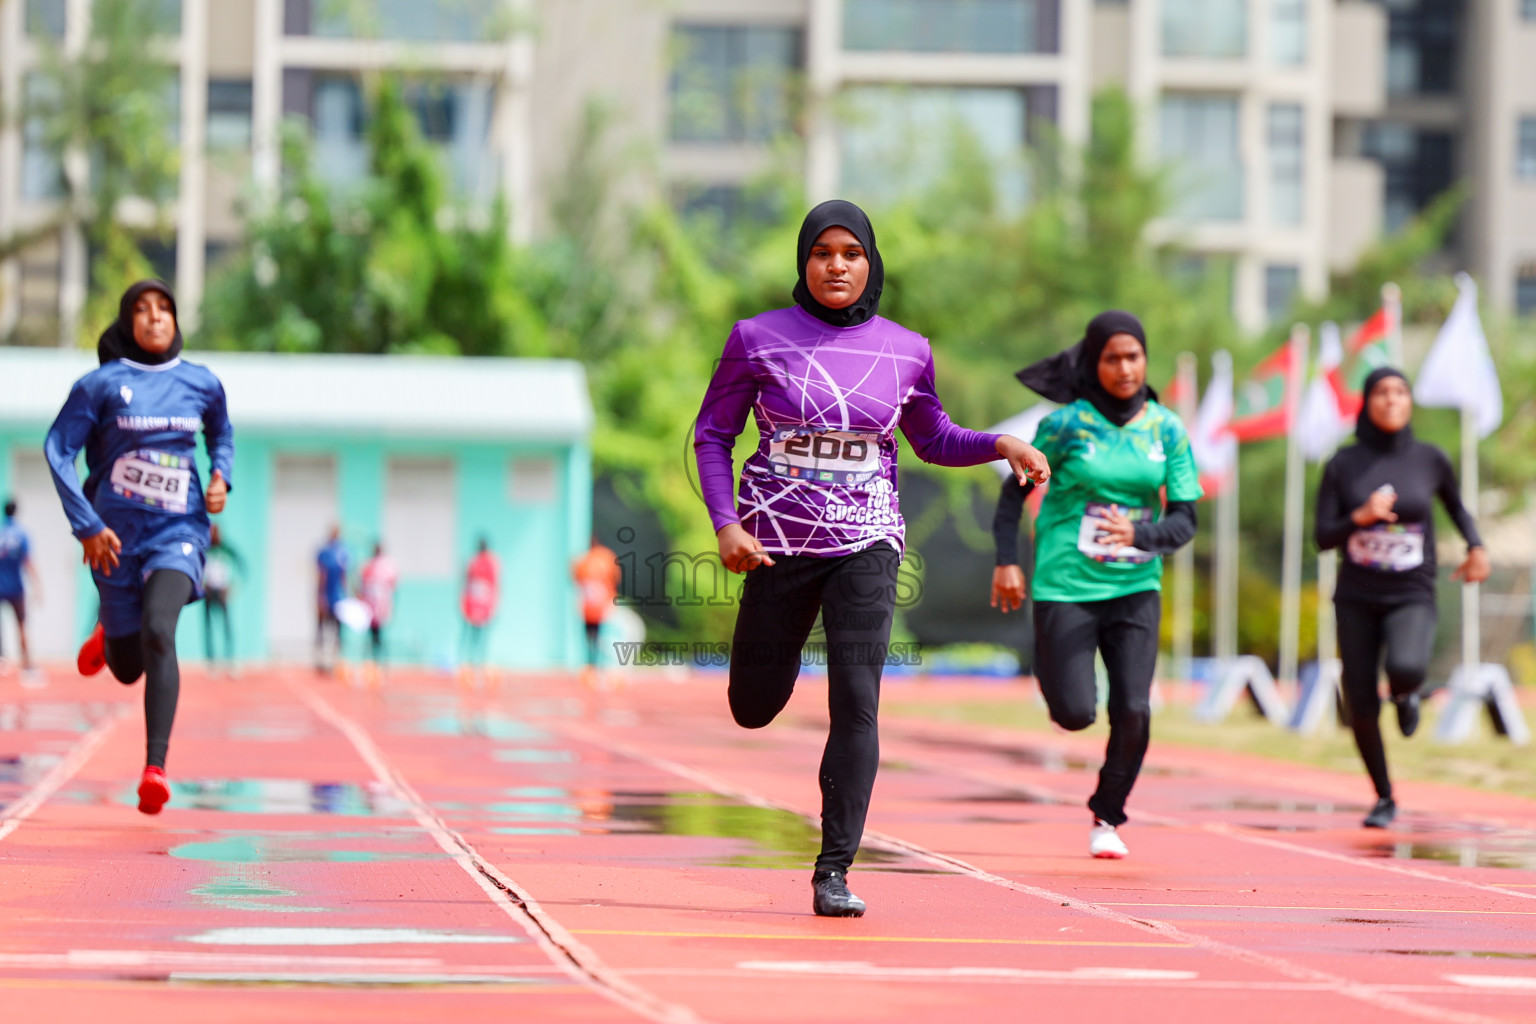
pixel 219 436
pixel 1005 521
pixel 66 437
pixel 934 437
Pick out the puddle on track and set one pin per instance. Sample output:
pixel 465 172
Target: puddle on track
pixel 311 848
pixel 280 796
pixel 1496 851
pixel 1467 954
pixel 26 769
pixel 242 892
pixel 1051 761
pixel 1282 806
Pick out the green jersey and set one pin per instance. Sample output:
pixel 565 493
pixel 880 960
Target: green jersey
pixel 1096 466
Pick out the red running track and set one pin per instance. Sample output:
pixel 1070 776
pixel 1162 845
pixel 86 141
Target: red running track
pixel 543 852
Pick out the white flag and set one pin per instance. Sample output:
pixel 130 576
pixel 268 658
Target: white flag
pixel 1321 424
pixel 1459 373
pixel 1022 426
pixel 1214 447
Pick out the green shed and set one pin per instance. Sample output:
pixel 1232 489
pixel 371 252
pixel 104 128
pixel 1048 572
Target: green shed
pixel 427 455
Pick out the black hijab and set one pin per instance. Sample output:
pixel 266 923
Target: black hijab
pixel 835 213
pixel 117 341
pixel 1067 376
pixel 1366 431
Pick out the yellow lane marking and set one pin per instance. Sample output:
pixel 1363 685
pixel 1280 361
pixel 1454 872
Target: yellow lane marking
pixel 877 938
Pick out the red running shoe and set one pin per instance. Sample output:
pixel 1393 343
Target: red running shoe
pixel 93 653
pixel 154 791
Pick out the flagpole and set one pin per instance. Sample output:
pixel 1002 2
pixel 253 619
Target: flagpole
pixel 1471 606
pixel 1295 512
pixel 1224 564
pixel 1184 559
pixel 1392 301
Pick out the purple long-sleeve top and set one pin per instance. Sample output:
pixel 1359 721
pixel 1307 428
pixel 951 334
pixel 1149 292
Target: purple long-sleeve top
pixel 828 401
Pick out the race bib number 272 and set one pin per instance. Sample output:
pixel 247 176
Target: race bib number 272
pixel 156 479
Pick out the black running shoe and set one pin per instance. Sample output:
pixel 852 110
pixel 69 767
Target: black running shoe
pixel 832 898
pixel 1407 713
pixel 1382 814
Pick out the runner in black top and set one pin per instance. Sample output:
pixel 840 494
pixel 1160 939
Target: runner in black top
pixel 1376 502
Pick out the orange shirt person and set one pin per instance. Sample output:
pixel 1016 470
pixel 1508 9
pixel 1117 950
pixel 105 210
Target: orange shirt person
pixel 597 576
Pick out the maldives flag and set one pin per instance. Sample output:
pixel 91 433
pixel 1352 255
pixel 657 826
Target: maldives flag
pixel 1369 347
pixel 1264 405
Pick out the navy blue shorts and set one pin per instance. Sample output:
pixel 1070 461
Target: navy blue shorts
pixel 122 593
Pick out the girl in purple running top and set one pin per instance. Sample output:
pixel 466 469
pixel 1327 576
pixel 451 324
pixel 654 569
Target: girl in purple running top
pixel 817 525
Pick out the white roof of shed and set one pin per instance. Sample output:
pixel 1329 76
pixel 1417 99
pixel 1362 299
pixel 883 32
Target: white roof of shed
pixel 399 396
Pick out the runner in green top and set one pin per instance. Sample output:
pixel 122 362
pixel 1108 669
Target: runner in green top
pixel 1101 470
pixel 1117 457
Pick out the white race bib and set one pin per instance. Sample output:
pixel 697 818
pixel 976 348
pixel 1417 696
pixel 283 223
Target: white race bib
pixel 1388 547
pixel 152 478
pixel 1090 530
pixel 827 456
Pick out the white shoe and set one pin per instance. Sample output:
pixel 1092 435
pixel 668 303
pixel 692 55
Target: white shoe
pixel 1105 842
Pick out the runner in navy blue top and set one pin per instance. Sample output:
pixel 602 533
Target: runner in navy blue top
pixel 142 513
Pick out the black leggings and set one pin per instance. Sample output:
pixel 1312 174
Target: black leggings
pixel 856 595
pixel 1407 632
pixel 151 653
pixel 1125 629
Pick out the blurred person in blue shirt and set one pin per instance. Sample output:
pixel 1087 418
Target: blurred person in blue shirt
pixel 333 562
pixel 16 560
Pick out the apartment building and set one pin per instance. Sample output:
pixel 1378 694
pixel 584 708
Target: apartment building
pixel 1296 130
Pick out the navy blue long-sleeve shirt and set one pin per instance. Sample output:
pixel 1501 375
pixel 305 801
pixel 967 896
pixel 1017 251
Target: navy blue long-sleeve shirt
pixel 138 426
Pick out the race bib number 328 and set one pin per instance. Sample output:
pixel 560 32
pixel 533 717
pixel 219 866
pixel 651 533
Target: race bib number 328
pixel 827 456
pixel 156 479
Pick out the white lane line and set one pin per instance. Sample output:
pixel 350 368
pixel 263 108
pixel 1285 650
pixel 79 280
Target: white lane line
pixel 558 944
pixel 1220 829
pixel 59 774
pixel 1334 983
pixel 1507 982
pixel 865 969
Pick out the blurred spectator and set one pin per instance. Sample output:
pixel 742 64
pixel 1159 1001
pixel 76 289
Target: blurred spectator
pixel 16 560
pixel 376 587
pixel 332 563
pixel 218 578
pixel 482 591
pixel 597 576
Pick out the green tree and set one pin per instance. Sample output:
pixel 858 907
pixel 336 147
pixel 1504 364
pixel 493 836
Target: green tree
pixel 107 119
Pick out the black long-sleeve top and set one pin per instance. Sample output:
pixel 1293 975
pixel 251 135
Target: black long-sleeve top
pixel 1388 563
pixel 1163 537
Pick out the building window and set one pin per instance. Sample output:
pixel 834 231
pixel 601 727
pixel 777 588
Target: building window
pixel 1281 281
pixel 898 141
pixel 1288 32
pixel 1199 136
pixel 1417 166
pixel 420 516
pixel 1287 202
pixel 952 26
pixel 1422 40
pixel 42 170
pixel 1525 150
pixel 425 21
pixel 1528 10
pixel 45 19
pixel 1525 291
pixel 733 83
pixel 1205 28
pixel 229 114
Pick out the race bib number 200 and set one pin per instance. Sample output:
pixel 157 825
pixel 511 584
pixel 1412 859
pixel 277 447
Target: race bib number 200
pixel 156 479
pixel 827 456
